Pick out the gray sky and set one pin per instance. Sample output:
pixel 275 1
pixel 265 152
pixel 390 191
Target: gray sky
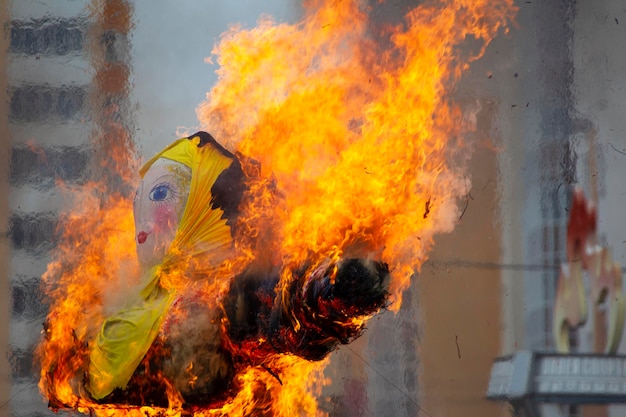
pixel 169 44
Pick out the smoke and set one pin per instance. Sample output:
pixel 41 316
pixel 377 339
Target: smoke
pixel 197 366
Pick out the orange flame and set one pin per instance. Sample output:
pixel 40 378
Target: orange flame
pixel 86 277
pixel 354 125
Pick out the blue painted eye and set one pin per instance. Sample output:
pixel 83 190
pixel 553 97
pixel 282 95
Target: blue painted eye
pixel 160 193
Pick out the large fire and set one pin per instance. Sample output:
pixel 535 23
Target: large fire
pixel 350 123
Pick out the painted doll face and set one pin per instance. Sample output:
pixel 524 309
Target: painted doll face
pixel 158 208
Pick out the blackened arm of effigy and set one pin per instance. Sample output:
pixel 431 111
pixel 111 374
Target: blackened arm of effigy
pixel 310 315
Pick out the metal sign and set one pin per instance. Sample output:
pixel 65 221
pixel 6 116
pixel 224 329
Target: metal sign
pixel 527 379
pixel 557 378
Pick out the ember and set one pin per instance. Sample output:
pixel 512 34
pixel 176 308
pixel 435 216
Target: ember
pixel 272 255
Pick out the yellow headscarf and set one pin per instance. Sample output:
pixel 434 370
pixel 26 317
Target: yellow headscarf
pixel 204 229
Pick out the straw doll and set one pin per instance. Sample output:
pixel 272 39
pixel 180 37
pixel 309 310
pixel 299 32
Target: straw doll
pixel 193 327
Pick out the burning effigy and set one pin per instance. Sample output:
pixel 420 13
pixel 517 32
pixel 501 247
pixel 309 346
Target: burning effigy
pixel 186 211
pixel 250 253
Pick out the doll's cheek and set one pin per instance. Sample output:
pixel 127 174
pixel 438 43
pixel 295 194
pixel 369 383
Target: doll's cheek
pixel 165 218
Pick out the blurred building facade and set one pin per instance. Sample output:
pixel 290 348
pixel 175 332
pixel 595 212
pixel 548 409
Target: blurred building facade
pixel 550 97
pixel 560 128
pixel 66 65
pixel 48 85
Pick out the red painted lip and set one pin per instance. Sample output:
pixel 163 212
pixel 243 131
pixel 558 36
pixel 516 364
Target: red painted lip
pixel 141 237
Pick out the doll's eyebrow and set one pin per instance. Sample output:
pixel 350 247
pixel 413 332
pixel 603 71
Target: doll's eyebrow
pixel 169 178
